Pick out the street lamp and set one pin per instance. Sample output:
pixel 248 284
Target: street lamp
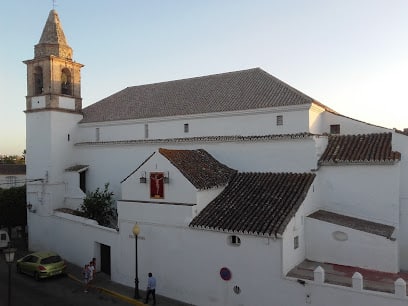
pixel 136 231
pixel 9 255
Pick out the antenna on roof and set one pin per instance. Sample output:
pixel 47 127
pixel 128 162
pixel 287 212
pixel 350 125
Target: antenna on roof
pixel 53 4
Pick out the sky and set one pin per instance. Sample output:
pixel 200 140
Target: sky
pixel 351 55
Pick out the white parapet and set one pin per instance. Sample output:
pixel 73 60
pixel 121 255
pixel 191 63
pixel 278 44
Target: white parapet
pixel 319 275
pixel 357 281
pixel 400 288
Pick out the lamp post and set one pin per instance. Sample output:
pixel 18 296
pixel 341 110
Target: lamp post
pixel 9 255
pixel 136 231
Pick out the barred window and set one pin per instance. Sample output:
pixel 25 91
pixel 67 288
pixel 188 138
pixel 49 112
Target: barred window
pixel 279 120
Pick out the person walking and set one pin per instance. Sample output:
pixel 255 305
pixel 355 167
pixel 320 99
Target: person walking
pixel 93 267
pixel 85 273
pixel 151 288
pixel 91 272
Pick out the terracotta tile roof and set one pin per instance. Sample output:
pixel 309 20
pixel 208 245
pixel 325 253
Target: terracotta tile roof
pixel 354 223
pixel 12 169
pixel 199 167
pixel 366 148
pixel 256 203
pixel 232 91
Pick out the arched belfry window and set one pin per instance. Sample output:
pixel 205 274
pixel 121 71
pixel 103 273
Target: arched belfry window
pixel 66 87
pixel 38 81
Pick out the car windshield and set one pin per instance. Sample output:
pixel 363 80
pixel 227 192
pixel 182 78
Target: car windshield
pixel 50 260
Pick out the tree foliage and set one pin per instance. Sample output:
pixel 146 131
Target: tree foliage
pixel 98 205
pixel 13 207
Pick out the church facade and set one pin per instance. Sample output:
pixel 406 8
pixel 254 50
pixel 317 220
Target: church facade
pixel 235 180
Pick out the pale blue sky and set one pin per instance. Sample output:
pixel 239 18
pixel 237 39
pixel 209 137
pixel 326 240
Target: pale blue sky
pixel 351 55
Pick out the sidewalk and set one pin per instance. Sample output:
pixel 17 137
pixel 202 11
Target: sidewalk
pixel 104 284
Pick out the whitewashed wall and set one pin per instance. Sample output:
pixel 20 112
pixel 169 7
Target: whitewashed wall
pixel 253 122
pixel 113 163
pixel 76 239
pixel 296 227
pixel 187 269
pixel 349 125
pixel 368 192
pixel 400 144
pixel 74 196
pixel 359 249
pixel 48 147
pixel 132 189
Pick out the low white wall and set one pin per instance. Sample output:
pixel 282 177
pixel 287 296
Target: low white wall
pixel 360 249
pixel 375 199
pixel 76 239
pixel 187 264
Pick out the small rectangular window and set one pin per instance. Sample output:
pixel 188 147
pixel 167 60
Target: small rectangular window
pixel 335 129
pixel 146 130
pixel 69 137
pixel 185 127
pixel 296 242
pixel 97 134
pixel 279 120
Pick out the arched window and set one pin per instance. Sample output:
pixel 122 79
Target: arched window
pixel 38 81
pixel 66 87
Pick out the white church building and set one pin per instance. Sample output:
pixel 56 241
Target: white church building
pixel 246 191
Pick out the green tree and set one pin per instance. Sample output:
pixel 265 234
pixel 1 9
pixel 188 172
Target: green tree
pixel 13 207
pixel 98 205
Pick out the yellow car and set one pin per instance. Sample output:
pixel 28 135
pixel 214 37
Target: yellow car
pixel 41 265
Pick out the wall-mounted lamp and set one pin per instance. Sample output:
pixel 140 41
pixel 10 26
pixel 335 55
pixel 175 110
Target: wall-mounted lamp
pixel 143 177
pixel 166 178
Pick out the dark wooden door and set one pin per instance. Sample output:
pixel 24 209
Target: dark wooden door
pixel 105 259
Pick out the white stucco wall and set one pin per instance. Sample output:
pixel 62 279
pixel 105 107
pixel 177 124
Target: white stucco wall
pixel 368 192
pixel 349 125
pixel 73 194
pixel 400 144
pixel 113 163
pixel 257 122
pixel 296 227
pixel 76 239
pixel 359 249
pixel 132 189
pixel 187 269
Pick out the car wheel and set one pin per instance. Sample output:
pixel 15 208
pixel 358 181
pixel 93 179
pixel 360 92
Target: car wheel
pixel 36 276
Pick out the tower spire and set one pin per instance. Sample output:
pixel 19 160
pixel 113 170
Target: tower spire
pixel 53 41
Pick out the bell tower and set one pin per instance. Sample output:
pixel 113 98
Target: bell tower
pixel 53 78
pixel 53 110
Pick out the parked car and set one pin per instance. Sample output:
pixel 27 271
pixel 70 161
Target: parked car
pixel 41 265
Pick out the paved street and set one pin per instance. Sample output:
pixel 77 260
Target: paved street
pixel 65 291
pixel 57 291
pixel 61 291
